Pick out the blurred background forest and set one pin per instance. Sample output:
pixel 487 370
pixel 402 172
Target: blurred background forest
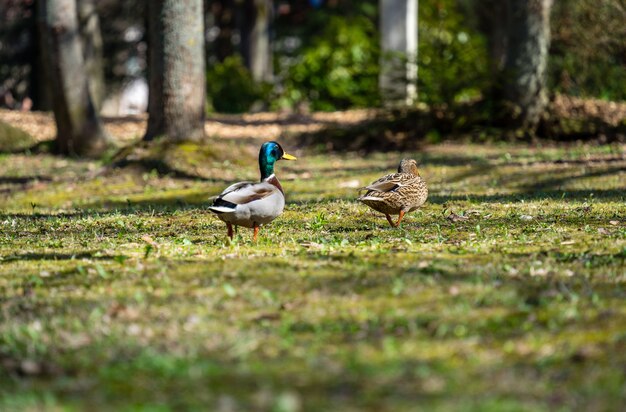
pixel 325 53
pixel 486 68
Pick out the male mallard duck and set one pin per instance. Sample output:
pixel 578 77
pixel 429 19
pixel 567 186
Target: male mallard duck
pixel 252 204
pixel 397 193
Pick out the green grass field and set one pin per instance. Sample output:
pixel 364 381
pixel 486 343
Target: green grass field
pixel 507 291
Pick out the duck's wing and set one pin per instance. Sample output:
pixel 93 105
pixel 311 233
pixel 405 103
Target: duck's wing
pixel 242 193
pixel 391 182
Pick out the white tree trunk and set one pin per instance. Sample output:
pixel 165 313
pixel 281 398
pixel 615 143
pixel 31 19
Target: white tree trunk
pixel 398 71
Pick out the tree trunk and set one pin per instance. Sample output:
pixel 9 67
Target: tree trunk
pixel 224 14
pixel 89 24
pixel 176 70
pixel 522 81
pixel 398 71
pixel 79 130
pixel 493 18
pixel 256 47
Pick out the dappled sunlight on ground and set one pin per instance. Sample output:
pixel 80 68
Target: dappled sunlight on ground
pixel 505 291
pixel 265 126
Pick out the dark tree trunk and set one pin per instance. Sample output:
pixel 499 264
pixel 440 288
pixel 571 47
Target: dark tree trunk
pixel 256 46
pixel 493 18
pixel 92 49
pixel 224 14
pixel 522 80
pixel 176 70
pixel 79 130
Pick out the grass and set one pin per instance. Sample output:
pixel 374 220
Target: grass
pixel 506 291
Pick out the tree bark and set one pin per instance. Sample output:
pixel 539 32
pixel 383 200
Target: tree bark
pixel 79 130
pixel 176 70
pixel 256 46
pixel 522 81
pixel 91 35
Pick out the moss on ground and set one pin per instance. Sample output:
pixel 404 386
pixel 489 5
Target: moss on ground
pixel 13 139
pixel 505 292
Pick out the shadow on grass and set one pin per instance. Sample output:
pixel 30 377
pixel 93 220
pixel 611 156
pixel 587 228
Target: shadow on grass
pixel 23 179
pixel 531 194
pixel 293 119
pixel 95 255
pixel 555 182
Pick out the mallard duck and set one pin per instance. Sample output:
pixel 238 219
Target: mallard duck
pixel 251 204
pixel 397 193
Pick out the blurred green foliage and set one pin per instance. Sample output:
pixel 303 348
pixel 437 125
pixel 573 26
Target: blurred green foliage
pixel 231 88
pixel 453 62
pixel 588 52
pixel 339 69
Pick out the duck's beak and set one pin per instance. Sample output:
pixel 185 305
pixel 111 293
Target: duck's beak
pixel 287 156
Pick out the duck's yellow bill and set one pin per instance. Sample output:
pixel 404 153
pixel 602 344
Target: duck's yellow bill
pixel 287 156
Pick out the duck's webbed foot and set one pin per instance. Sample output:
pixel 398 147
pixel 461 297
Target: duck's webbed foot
pixel 399 218
pixel 256 231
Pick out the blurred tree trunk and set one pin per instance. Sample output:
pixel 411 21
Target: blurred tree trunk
pixel 79 130
pixel 176 70
pixel 92 49
pixel 493 18
pixel 521 89
pixel 398 71
pixel 224 14
pixel 256 46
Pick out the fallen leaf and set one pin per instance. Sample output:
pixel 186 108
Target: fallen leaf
pixel 603 231
pixel 453 217
pixel 568 242
pixel 266 316
pixel 30 367
pixel 614 222
pixel 311 245
pixel 350 184
pixel 75 340
pixel 150 241
pixel 526 217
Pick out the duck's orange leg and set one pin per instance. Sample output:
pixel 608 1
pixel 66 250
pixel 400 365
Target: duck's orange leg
pixel 256 231
pixel 389 220
pixel 230 230
pixel 400 218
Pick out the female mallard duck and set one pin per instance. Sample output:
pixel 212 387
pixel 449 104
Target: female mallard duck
pixel 252 204
pixel 397 193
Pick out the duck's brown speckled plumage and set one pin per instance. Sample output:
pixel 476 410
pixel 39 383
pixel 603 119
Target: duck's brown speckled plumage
pixel 397 193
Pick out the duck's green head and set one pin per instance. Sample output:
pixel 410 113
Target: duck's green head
pixel 268 155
